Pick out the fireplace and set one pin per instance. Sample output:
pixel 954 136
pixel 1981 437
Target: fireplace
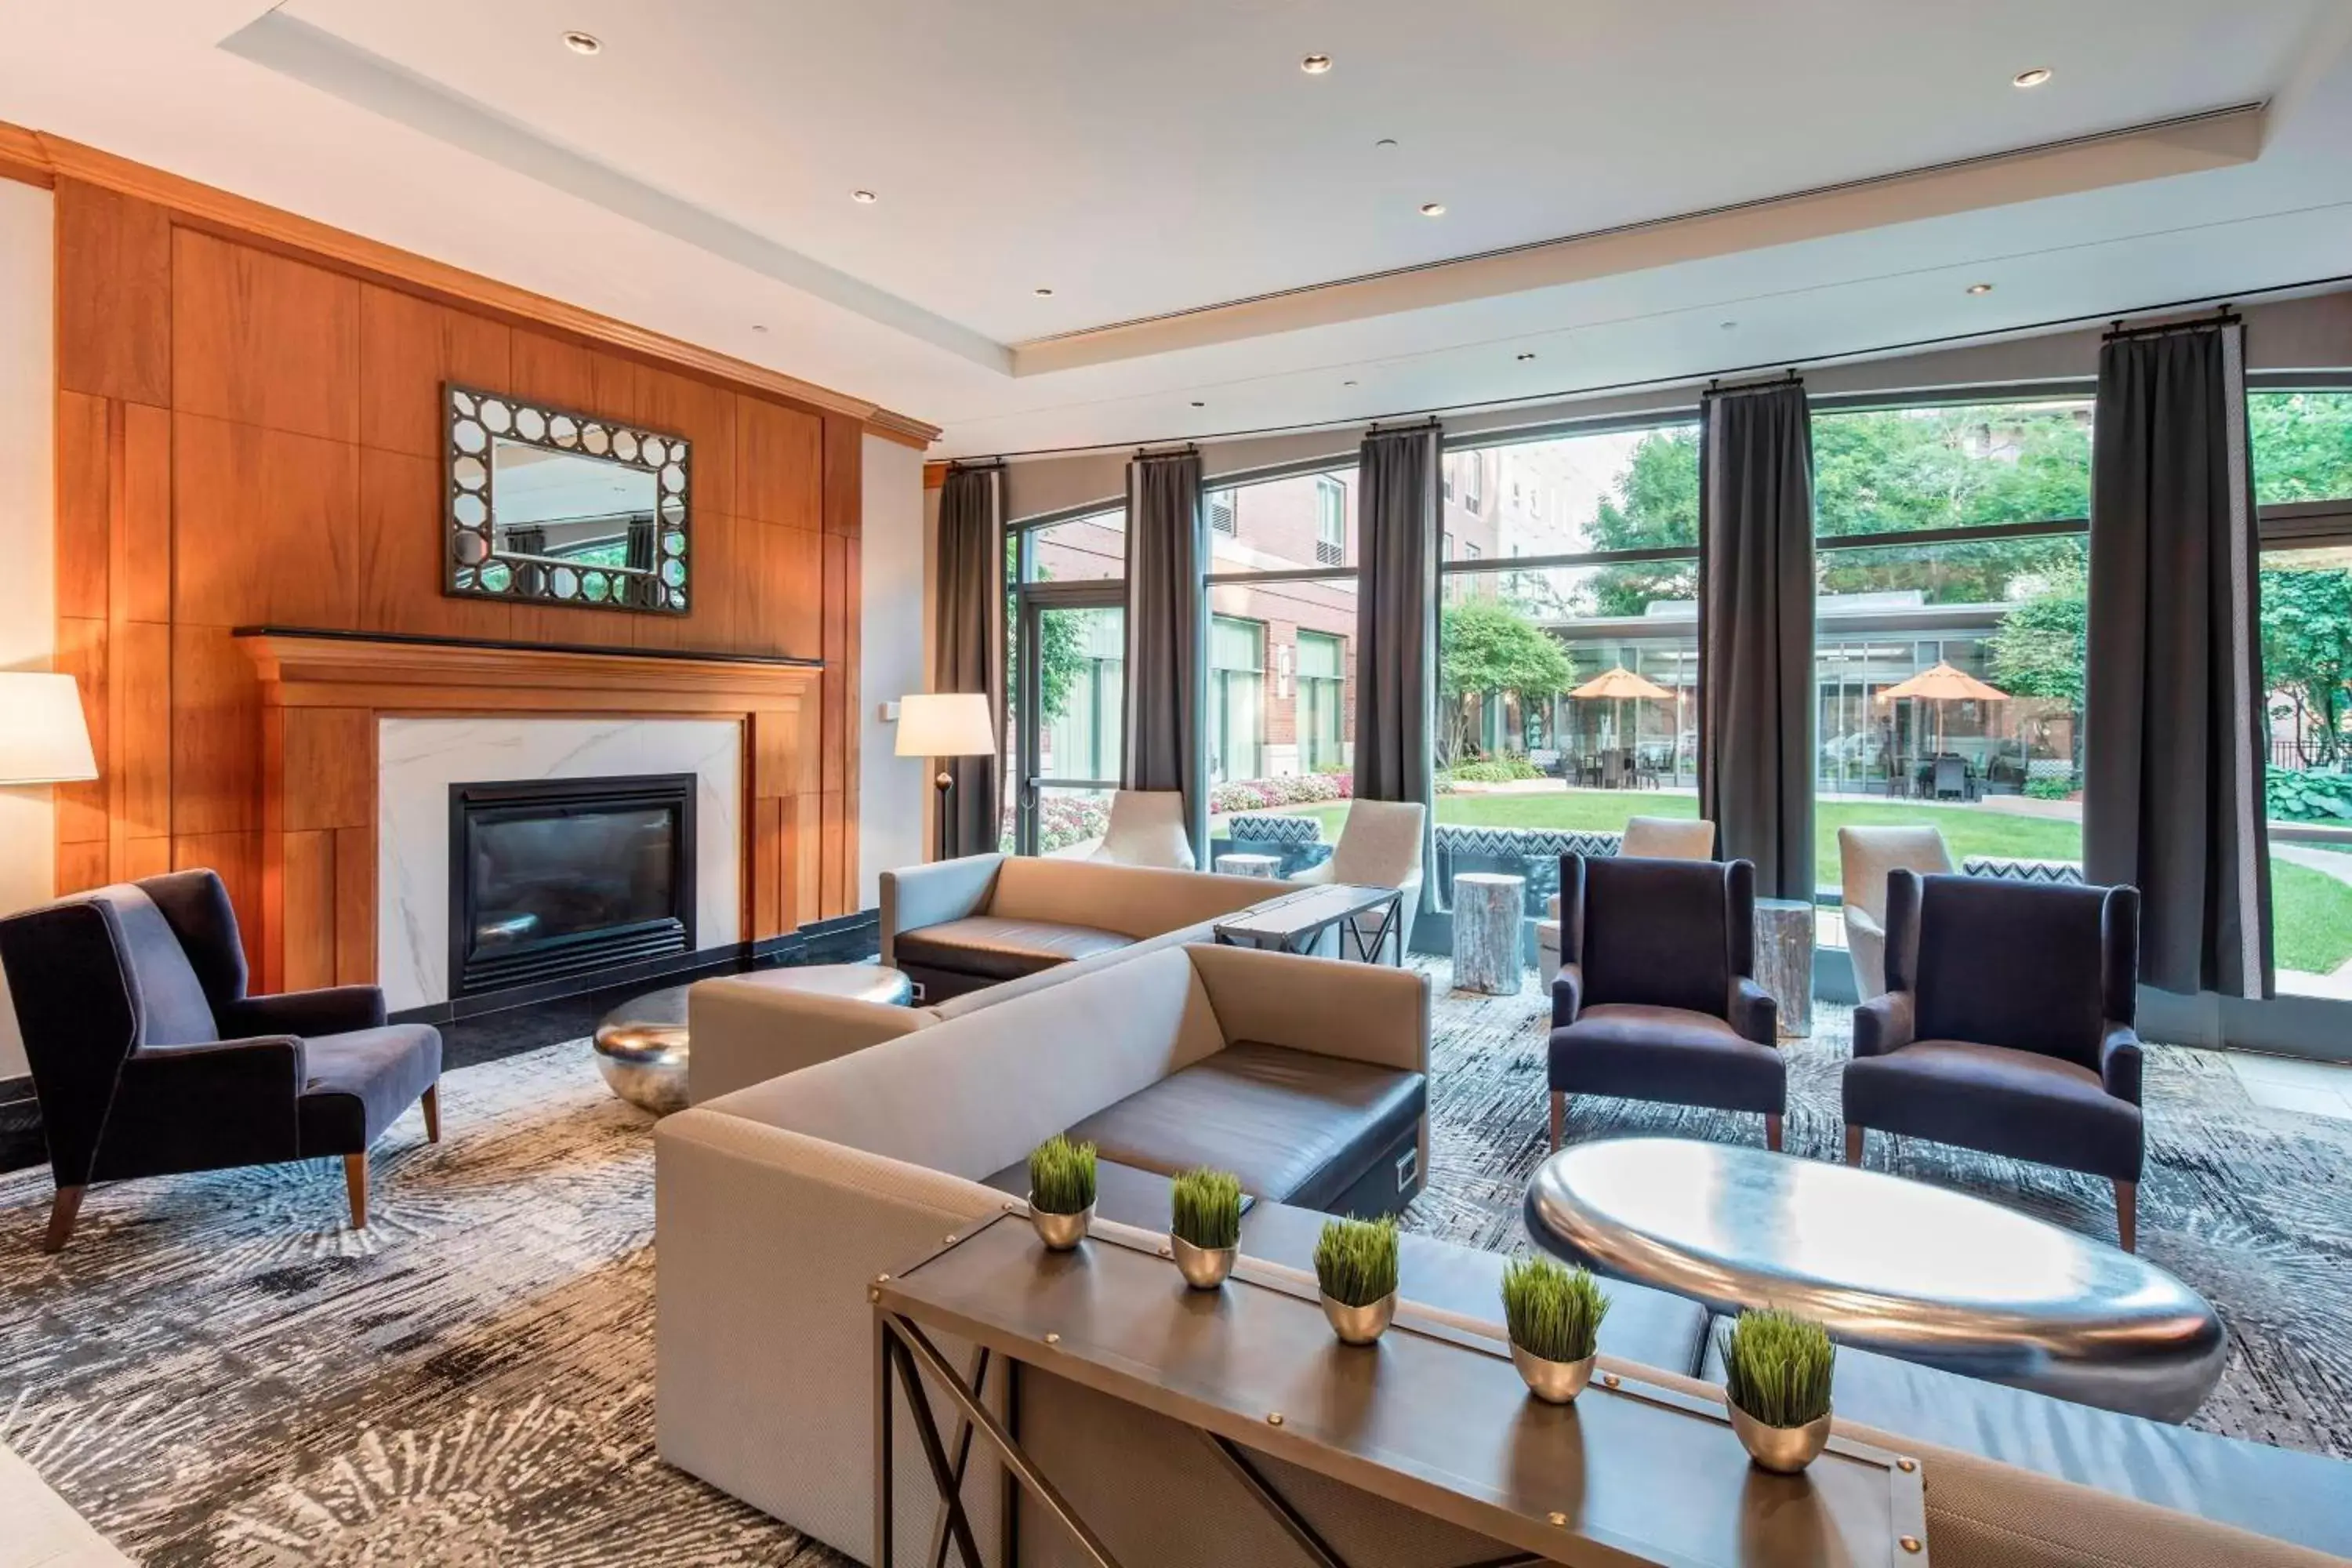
pixel 555 877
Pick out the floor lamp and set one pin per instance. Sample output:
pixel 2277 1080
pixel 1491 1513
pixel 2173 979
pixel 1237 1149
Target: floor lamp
pixel 945 724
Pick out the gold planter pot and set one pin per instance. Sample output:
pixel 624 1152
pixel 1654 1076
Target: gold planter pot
pixel 1553 1382
pixel 1203 1268
pixel 1360 1325
pixel 1061 1232
pixel 1784 1450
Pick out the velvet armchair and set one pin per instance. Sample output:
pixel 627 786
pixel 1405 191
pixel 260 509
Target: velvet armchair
pixel 1656 997
pixel 2007 1027
pixel 149 1058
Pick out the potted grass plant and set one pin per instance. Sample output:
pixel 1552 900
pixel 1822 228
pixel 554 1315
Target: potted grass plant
pixel 1776 1379
pixel 1061 1190
pixel 1554 1314
pixel 1356 1265
pixel 1204 1226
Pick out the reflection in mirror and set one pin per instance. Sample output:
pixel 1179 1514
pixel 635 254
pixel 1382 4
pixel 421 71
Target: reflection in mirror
pixel 564 508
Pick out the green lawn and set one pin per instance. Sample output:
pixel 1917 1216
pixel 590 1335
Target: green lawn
pixel 2313 911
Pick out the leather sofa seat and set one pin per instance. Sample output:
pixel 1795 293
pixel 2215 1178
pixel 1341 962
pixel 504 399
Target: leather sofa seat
pixel 1645 1052
pixel 1295 1127
pixel 995 948
pixel 1999 1099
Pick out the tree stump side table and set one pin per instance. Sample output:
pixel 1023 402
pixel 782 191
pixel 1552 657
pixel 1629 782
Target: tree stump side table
pixel 1784 961
pixel 1488 935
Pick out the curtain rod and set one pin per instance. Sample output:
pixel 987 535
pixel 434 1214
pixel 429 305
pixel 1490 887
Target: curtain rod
pixel 1144 454
pixel 1716 388
pixel 2223 316
pixel 1537 400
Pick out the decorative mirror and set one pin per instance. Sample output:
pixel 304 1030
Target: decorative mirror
pixel 564 508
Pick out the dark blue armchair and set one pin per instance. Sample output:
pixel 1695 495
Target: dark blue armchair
pixel 2007 1027
pixel 149 1058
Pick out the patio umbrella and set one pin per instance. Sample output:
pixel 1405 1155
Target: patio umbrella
pixel 1942 684
pixel 1618 685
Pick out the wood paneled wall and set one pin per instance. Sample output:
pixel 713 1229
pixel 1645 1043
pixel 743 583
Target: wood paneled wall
pixel 249 434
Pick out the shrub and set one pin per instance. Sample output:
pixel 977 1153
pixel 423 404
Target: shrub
pixel 1553 1311
pixel 1063 820
pixel 1061 1175
pixel 1777 1367
pixel 1492 770
pixel 2049 789
pixel 1356 1260
pixel 1294 789
pixel 2308 797
pixel 1206 1209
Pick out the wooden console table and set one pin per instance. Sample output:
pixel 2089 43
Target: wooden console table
pixel 1433 1419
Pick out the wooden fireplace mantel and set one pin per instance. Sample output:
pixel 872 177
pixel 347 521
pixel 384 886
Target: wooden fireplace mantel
pixel 323 693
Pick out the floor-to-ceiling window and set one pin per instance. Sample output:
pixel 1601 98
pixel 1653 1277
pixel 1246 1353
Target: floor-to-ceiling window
pixel 2302 441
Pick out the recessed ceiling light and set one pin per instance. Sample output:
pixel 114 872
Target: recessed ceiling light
pixel 1525 357
pixel 582 43
pixel 758 328
pixel 1316 65
pixel 1729 325
pixel 1385 143
pixel 1043 293
pixel 1197 404
pixel 864 198
pixel 1432 209
pixel 1346 383
pixel 1979 288
pixel 2033 77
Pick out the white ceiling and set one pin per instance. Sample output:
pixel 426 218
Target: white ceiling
pixel 1156 157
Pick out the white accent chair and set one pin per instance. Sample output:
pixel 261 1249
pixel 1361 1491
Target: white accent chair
pixel 1380 847
pixel 1646 837
pixel 1147 829
pixel 1865 856
pixel 1667 838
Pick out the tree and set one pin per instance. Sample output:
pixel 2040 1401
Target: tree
pixel 1492 649
pixel 2302 443
pixel 2041 648
pixel 2307 653
pixel 1656 506
pixel 1062 656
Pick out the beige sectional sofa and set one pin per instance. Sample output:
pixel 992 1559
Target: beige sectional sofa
pixel 777 1202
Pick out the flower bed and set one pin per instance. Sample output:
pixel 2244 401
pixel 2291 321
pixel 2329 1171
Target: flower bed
pixel 1298 789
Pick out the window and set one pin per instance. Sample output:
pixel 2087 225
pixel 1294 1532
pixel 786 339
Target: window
pixel 1083 550
pixel 1221 512
pixel 1470 552
pixel 1474 479
pixel 1330 521
pixel 1322 720
pixel 1236 696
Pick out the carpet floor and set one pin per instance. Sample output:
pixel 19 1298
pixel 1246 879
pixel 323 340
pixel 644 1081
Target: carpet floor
pixel 220 1372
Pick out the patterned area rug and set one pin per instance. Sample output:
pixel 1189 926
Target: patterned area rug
pixel 218 1372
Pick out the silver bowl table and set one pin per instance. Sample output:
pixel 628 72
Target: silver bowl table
pixel 642 1044
pixel 1917 1272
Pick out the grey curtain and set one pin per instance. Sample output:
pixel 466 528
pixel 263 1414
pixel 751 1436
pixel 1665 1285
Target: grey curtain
pixel 1166 644
pixel 2173 702
pixel 967 644
pixel 1396 612
pixel 1756 631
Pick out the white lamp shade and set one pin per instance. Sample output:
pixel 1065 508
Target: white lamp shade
pixel 945 724
pixel 42 737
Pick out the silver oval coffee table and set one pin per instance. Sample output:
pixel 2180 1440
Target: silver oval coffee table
pixel 642 1044
pixel 1910 1270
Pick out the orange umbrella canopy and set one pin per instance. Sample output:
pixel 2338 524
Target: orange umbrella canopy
pixel 1944 684
pixel 1621 683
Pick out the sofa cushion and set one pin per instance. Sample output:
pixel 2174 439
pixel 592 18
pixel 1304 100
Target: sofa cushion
pixel 1002 949
pixel 2272 1492
pixel 1643 1325
pixel 361 1082
pixel 1667 1053
pixel 2004 1102
pixel 1295 1127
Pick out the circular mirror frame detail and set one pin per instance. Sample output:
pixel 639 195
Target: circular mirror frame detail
pixel 472 421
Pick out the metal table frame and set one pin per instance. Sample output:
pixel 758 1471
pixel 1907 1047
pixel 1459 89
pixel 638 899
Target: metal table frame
pixel 1368 948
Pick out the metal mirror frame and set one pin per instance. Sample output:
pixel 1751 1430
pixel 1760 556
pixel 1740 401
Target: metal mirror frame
pixel 472 567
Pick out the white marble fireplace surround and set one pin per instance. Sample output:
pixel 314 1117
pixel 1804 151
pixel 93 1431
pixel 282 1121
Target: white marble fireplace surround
pixel 419 759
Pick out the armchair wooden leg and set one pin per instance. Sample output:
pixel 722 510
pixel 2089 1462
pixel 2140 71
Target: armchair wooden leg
pixel 432 1103
pixel 2127 1215
pixel 1772 1133
pixel 1559 1117
pixel 63 1210
pixel 1853 1145
pixel 355 1182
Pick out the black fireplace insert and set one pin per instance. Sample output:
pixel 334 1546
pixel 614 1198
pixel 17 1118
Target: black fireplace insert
pixel 551 877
